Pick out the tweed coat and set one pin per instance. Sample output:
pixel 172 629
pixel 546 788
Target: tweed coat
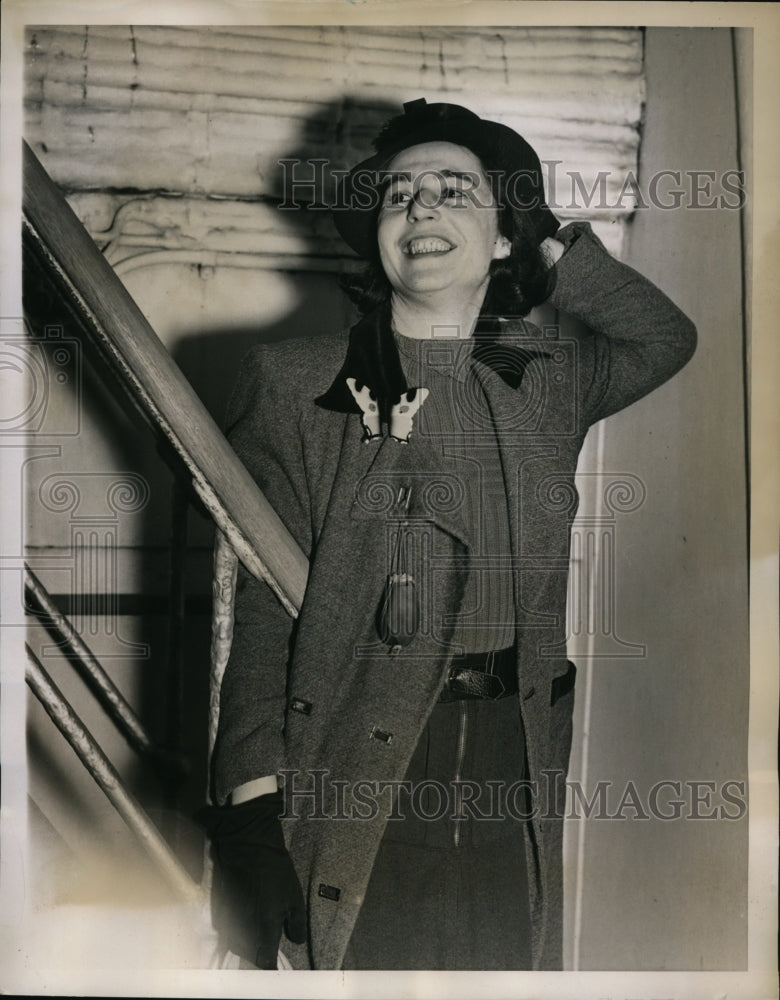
pixel 322 698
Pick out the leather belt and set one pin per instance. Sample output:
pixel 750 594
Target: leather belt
pixel 489 676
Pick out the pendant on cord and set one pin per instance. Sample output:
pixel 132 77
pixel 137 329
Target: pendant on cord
pixel 398 617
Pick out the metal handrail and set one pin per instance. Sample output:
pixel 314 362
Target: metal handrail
pixel 135 353
pixel 108 694
pixel 107 777
pixel 74 647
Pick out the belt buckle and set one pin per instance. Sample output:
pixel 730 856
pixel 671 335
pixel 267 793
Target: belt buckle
pixel 502 688
pixel 474 684
pixel 492 679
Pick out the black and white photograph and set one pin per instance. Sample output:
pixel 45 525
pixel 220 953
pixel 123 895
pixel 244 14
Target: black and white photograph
pixel 389 442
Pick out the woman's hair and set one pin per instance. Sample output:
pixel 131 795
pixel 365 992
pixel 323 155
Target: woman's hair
pixel 518 282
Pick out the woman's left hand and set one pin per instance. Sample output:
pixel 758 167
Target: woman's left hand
pixel 553 249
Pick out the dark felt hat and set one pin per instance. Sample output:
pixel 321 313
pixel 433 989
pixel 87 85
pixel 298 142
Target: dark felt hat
pixel 497 146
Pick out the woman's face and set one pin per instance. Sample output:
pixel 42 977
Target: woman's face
pixel 438 225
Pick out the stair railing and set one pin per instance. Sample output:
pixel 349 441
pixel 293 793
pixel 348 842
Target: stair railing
pixel 134 352
pixel 248 527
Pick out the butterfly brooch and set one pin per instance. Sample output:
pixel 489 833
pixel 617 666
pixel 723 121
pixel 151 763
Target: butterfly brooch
pixel 400 418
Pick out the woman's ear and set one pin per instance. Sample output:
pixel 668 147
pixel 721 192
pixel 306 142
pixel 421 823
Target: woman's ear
pixel 502 249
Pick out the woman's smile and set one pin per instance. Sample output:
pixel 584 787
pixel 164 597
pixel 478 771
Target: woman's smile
pixel 418 246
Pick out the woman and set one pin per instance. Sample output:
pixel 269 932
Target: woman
pixel 419 710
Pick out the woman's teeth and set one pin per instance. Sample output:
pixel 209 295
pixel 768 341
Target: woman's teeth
pixel 427 244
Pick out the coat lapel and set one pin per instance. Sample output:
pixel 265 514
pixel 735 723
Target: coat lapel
pixel 414 479
pixel 374 475
pixel 515 413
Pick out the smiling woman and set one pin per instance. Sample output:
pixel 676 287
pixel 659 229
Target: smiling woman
pixel 425 465
pixel 436 240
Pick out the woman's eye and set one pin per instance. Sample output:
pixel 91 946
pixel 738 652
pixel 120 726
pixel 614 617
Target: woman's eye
pixel 397 198
pixel 455 194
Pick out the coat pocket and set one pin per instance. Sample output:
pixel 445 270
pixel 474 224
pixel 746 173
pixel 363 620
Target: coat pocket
pixel 561 713
pixel 563 684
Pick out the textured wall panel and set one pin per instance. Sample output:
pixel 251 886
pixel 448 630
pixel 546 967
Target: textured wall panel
pixel 206 113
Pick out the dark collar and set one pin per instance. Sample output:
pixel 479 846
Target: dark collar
pixel 373 360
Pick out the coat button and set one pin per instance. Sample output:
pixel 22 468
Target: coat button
pixel 379 734
pixel 329 892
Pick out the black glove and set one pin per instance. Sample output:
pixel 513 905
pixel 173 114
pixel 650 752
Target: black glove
pixel 256 891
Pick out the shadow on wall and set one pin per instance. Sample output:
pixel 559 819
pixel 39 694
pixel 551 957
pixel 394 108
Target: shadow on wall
pixel 210 356
pixel 115 437
pixel 108 572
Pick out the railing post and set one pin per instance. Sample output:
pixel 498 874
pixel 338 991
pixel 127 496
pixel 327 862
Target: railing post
pixel 174 687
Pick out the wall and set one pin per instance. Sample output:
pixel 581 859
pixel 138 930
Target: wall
pixel 660 894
